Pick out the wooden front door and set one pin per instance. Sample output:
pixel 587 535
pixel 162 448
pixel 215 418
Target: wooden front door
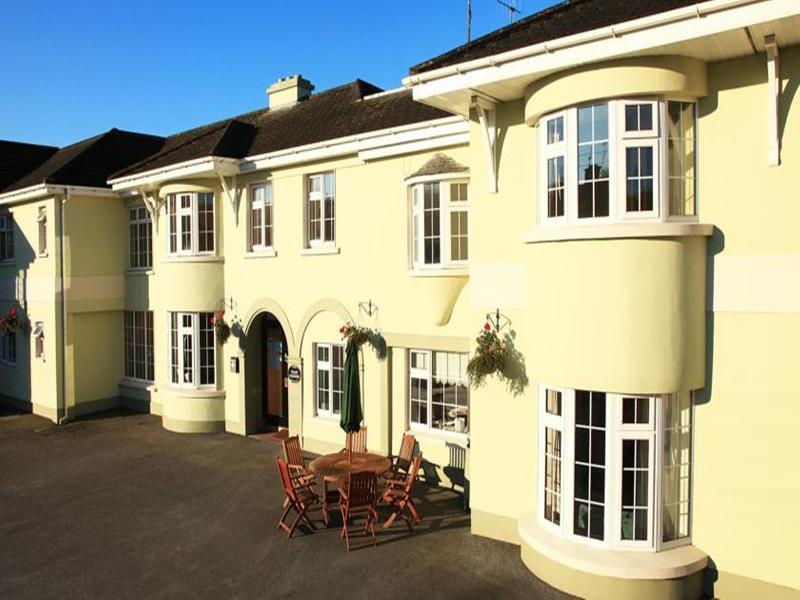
pixel 275 387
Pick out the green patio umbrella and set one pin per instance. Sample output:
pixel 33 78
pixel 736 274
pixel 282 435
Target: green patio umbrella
pixel 351 417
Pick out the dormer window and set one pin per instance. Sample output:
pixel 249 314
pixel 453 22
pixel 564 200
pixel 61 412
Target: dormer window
pixel 601 162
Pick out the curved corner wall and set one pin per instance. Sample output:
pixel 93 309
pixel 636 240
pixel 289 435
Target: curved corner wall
pixel 674 76
pixel 624 315
pixel 193 411
pixel 192 284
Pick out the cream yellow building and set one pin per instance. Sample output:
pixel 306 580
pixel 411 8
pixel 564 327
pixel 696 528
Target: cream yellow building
pixel 617 183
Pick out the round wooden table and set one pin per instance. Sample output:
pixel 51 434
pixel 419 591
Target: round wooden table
pixel 335 467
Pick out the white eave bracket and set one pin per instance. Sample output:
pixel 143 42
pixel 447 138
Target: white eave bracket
pixel 487 118
pixel 152 203
pixel 232 194
pixel 774 91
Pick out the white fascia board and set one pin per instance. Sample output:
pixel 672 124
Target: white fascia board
pixel 209 165
pixel 457 139
pixel 370 141
pixel 42 190
pixel 680 25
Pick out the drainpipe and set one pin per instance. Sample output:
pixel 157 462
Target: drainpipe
pixel 61 407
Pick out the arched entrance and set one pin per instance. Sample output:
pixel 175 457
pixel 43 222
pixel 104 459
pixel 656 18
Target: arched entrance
pixel 267 392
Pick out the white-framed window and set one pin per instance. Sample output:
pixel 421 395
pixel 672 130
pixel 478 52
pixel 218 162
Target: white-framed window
pixel 438 391
pixel 6 237
pixel 439 224
pixel 38 339
pixel 192 349
pixel 320 210
pixel 617 160
pixel 328 378
pixel 8 348
pixel 138 345
pixel 261 216
pixel 41 220
pixel 140 238
pixel 190 223
pixel 615 469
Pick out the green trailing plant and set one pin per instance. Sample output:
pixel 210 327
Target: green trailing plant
pixel 221 328
pixel 497 355
pixel 360 335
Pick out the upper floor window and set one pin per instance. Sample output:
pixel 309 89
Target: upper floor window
pixel 140 238
pixel 321 210
pixel 328 378
pixel 8 348
pixel 439 224
pixel 191 223
pixel 438 393
pixel 6 237
pixel 192 349
pixel 615 468
pixel 41 220
pixel 602 162
pixel 261 216
pixel 138 345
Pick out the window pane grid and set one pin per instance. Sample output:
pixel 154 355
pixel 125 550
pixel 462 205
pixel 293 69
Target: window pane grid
pixel 681 158
pixel 6 237
pixel 329 379
pixel 590 461
pixel 675 486
pixel 138 345
pixel 593 161
pixel 635 489
pixel 431 224
pixel 552 476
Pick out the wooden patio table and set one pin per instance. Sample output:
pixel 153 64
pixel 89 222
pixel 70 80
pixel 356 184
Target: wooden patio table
pixel 335 467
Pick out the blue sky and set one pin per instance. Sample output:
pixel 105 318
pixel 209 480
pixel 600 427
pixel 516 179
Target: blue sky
pixel 73 69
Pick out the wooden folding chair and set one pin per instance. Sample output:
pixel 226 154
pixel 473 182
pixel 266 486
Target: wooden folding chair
pixel 402 462
pixel 293 454
pixel 397 494
pixel 299 497
pixel 356 497
pixel 356 441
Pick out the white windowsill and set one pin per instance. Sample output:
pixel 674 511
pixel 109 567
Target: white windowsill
pixel 443 272
pixel 320 250
pixel 187 392
pixel 265 253
pixel 328 419
pixel 436 435
pixel 623 564
pixel 42 255
pixel 210 258
pixel 138 384
pixel 139 272
pixel 617 231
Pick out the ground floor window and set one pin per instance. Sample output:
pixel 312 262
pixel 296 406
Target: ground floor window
pixel 328 378
pixel 192 349
pixel 438 391
pixel 8 348
pixel 615 469
pixel 138 341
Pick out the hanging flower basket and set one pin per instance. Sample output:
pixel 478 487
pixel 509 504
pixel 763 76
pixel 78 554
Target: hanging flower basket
pixel 359 336
pixel 11 322
pixel 221 328
pixel 497 355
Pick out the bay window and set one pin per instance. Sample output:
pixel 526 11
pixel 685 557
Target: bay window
pixel 6 237
pixel 138 345
pixel 439 224
pixel 602 162
pixel 438 391
pixel 328 378
pixel 192 349
pixel 615 469
pixel 190 223
pixel 261 216
pixel 320 210
pixel 140 238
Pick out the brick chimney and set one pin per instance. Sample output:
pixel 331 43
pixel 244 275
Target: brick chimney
pixel 288 91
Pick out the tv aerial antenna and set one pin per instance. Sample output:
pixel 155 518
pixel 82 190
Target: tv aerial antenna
pixel 512 6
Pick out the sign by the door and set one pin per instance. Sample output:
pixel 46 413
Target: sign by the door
pixel 294 373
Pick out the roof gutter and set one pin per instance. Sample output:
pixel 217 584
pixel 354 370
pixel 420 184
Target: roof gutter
pixel 696 11
pixel 45 189
pixel 208 165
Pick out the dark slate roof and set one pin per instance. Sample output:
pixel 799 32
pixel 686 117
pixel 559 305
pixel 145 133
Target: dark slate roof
pixel 561 20
pixel 334 113
pixel 439 163
pixel 90 162
pixel 17 159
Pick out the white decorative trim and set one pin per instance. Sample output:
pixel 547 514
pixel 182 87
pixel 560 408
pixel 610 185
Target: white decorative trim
pixel 437 177
pixel 487 117
pixel 623 564
pixel 265 253
pixel 617 231
pixel 320 251
pixel 774 105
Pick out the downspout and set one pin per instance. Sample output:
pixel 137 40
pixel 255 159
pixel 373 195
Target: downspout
pixel 61 408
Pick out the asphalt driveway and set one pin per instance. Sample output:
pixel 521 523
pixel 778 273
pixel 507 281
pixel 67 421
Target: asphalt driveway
pixel 118 507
